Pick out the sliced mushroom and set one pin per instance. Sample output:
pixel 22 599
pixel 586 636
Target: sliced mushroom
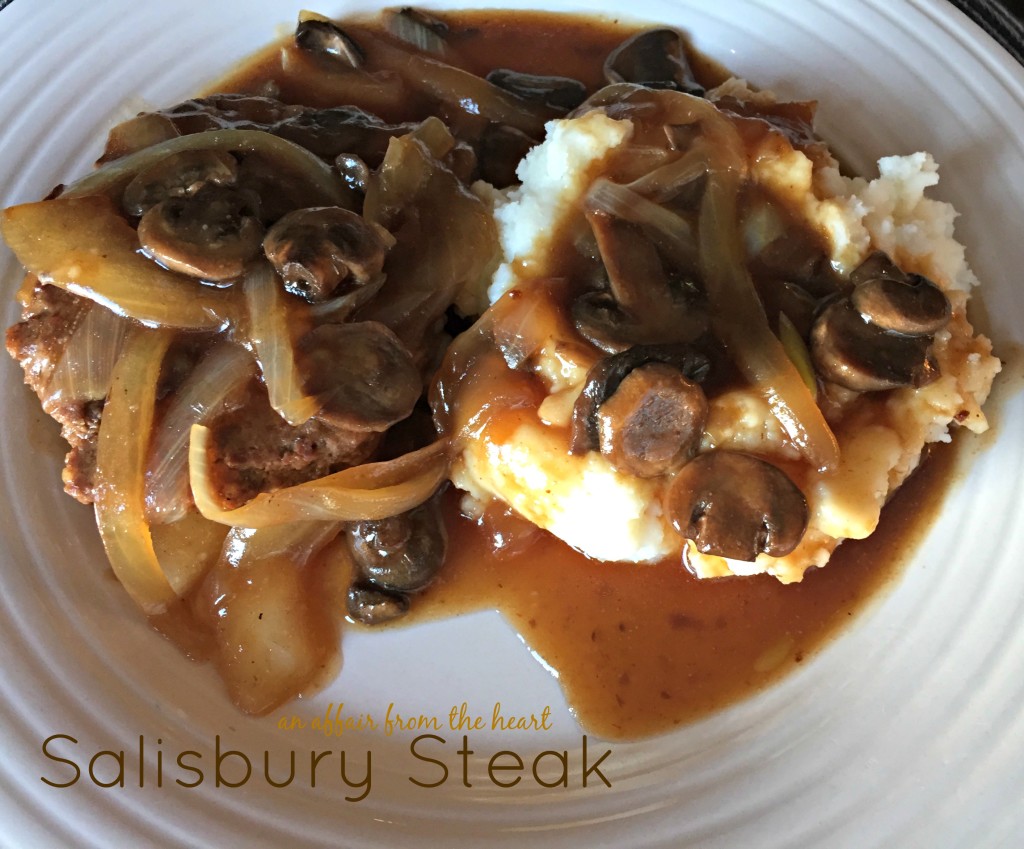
pixel 877 264
pixel 402 553
pixel 370 605
pixel 604 379
pixel 736 505
pixel 362 373
pixel 849 351
pixel 339 130
pixel 652 424
pixel 211 234
pixel 418 28
pixel 324 38
pixel 318 250
pixel 655 59
pixel 500 150
pixel 642 305
pixel 178 175
pixel 913 306
pixel 557 92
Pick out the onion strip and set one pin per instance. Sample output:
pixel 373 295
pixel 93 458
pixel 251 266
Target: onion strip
pixel 85 247
pixel 301 166
pixel 221 373
pixel 86 366
pixel 369 491
pixel 270 335
pixel 120 469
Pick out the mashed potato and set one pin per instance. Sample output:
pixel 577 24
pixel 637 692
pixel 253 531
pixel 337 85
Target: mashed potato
pixel 613 516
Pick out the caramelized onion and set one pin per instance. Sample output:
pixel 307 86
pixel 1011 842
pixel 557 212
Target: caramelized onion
pixel 85 369
pixel 120 470
pixel 369 491
pixel 221 373
pixel 305 171
pixel 270 336
pixel 56 240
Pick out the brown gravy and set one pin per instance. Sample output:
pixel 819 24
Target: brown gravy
pixel 638 649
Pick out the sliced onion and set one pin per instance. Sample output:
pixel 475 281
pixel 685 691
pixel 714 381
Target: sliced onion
pixel 221 373
pixel 270 335
pixel 302 167
pixel 338 309
pixel 796 350
pixel 86 367
pixel 84 246
pixel 369 491
pixel 669 231
pixel 666 181
pixel 121 465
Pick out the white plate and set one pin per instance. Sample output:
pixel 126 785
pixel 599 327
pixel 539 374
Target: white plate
pixel 908 731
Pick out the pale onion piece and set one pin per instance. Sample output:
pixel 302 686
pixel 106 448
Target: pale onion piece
pixel 303 168
pixel 221 373
pixel 669 231
pixel 275 633
pixel 86 366
pixel 121 465
pixel 796 350
pixel 271 339
pixel 187 549
pixel 83 245
pixel 369 491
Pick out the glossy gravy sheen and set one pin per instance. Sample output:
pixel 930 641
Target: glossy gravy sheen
pixel 638 649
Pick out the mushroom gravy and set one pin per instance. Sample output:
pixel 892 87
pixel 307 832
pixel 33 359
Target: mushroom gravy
pixel 638 649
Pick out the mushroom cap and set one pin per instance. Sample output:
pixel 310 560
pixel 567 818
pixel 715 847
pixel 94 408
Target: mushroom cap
pixel 913 305
pixel 369 604
pixel 652 424
pixel 316 250
pixel 178 175
pixel 210 234
pixel 853 353
pixel 328 40
pixel 563 93
pixel 361 372
pixel 655 59
pixel 606 375
pixel 402 553
pixel 736 505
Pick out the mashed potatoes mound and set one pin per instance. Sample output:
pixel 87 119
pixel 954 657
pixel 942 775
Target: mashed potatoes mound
pixel 613 516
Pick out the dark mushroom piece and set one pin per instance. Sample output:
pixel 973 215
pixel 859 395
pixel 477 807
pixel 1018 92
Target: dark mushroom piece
pixel 402 553
pixel 326 39
pixel 913 306
pixel 370 605
pixel 562 93
pixel 849 351
pixel 500 149
pixel 642 305
pixel 210 234
pixel 178 175
pixel 605 378
pixel 316 251
pixel 652 424
pixel 876 264
pixel 354 171
pixel 339 130
pixel 363 374
pixel 736 505
pixel 655 59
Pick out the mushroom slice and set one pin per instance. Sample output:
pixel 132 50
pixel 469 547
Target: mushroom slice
pixel 736 505
pixel 361 372
pixel 322 37
pixel 654 59
pixel 401 553
pixel 876 264
pixel 849 351
pixel 643 305
pixel 369 604
pixel 557 92
pixel 652 424
pixel 317 250
pixel 913 306
pixel 354 171
pixel 604 378
pixel 178 175
pixel 211 234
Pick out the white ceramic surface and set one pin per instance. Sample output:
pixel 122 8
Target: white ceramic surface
pixel 906 732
